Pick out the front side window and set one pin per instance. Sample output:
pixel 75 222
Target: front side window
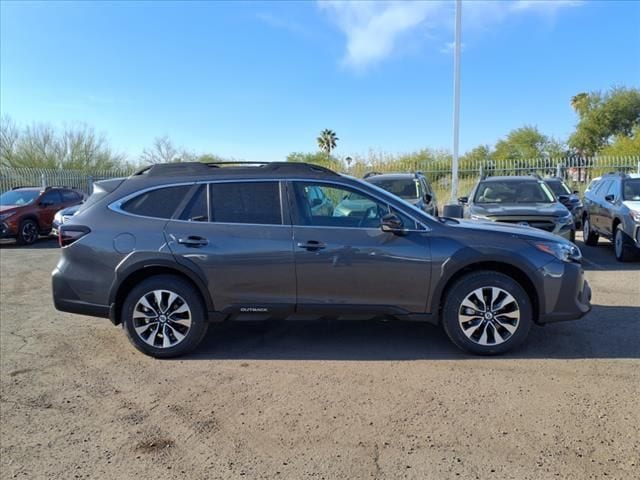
pixel 158 203
pixel 513 192
pixel 341 207
pixel 246 202
pixel 613 189
pixel 559 188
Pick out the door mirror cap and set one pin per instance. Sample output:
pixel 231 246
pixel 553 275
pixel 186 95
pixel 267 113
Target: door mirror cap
pixel 610 198
pixel 391 223
pixel 428 197
pixel 45 204
pixel 564 198
pixel 463 200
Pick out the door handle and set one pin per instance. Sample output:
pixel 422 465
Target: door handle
pixel 312 245
pixel 193 241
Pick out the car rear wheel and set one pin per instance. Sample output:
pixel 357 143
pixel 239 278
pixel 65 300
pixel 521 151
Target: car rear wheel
pixel 487 313
pixel 164 317
pixel 622 247
pixel 590 237
pixel 28 232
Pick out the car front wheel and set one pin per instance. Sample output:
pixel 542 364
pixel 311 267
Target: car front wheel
pixel 28 232
pixel 164 316
pixel 589 236
pixel 621 246
pixel 487 313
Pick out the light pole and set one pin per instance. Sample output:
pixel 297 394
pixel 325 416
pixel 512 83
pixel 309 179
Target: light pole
pixel 456 102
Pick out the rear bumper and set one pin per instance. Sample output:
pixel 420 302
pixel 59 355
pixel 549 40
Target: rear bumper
pixel 66 300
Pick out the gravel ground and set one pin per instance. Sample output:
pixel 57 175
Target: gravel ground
pixel 317 400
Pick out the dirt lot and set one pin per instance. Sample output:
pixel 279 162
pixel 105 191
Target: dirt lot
pixel 317 400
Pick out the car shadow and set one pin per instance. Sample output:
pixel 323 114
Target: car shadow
pixel 607 332
pixel 602 257
pixel 41 244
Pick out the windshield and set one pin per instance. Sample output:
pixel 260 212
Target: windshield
pixel 559 188
pixel 631 189
pixel 18 197
pixel 407 188
pixel 513 192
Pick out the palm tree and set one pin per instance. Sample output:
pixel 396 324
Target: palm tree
pixel 580 102
pixel 327 140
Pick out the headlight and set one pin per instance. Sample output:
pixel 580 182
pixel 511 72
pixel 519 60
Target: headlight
pixel 566 219
pixel 475 216
pixel 635 215
pixel 58 217
pixel 562 251
pixel 4 216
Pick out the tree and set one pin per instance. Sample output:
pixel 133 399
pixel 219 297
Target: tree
pixel 624 145
pixel 327 141
pixel 523 143
pixel 42 146
pixel 318 158
pixel 604 117
pixel 162 151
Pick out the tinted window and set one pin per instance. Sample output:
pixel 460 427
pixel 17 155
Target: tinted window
pixel 70 196
pixel 602 187
pixel 613 189
pixel 341 207
pixel 250 202
pixel 159 203
pixel 558 188
pixel 407 188
pixel 52 196
pixel 196 209
pixel 631 189
pixel 18 197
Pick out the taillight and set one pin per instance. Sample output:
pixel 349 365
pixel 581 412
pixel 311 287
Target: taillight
pixel 70 233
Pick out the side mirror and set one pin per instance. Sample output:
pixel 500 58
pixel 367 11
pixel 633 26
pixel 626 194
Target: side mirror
pixel 576 192
pixel 45 204
pixel 610 198
pixel 391 223
pixel 463 200
pixel 564 198
pixel 428 197
pixel 316 202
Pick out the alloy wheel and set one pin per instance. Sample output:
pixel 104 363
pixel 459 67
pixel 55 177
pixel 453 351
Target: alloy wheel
pixel 618 244
pixel 162 318
pixel 489 316
pixel 585 229
pixel 29 232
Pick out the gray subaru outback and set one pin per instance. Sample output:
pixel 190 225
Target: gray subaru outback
pixel 176 247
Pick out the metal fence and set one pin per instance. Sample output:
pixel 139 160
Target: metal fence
pixel 37 177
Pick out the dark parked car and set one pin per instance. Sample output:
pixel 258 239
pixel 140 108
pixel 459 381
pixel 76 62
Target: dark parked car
pixel 568 198
pixel 524 200
pixel 411 187
pixel 27 212
pixel 176 246
pixel 612 210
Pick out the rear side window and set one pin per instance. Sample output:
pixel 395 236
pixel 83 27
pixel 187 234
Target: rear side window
pixel 70 196
pixel 196 209
pixel 52 196
pixel 159 203
pixel 249 202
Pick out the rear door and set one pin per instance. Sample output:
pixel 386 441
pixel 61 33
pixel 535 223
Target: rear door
pixel 238 235
pixel 346 263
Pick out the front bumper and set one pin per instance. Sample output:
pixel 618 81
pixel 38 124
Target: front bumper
pixel 567 294
pixel 6 231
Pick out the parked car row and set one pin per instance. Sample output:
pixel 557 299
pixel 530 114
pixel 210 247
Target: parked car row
pixel 28 212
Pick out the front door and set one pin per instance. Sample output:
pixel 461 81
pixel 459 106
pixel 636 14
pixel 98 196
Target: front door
pixel 343 259
pixel 235 234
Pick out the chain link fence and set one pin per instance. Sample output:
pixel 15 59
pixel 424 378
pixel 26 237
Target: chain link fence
pixel 37 177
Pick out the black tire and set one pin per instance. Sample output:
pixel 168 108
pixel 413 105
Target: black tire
pixel 622 247
pixel 28 232
pixel 589 236
pixel 187 294
pixel 572 236
pixel 453 308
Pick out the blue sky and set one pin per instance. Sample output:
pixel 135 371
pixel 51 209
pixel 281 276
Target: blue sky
pixel 259 80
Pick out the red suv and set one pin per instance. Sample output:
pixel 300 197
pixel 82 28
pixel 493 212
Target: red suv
pixel 27 212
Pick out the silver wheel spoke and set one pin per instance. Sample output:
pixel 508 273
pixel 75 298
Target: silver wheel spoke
pixel 172 298
pixel 145 303
pixel 151 339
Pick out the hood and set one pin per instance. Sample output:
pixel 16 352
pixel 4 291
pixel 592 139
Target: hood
pixel 632 204
pixel 7 208
pixel 520 231
pixel 71 210
pixel 515 209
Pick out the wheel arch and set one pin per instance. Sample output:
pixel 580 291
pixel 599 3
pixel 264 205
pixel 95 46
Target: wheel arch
pixel 516 273
pixel 133 276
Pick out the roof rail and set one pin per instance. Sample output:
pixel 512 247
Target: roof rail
pixel 199 168
pixel 26 186
pixel 371 174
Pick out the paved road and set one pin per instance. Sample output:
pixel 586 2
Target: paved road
pixel 317 399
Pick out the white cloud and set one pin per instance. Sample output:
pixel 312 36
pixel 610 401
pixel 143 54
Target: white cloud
pixel 373 29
